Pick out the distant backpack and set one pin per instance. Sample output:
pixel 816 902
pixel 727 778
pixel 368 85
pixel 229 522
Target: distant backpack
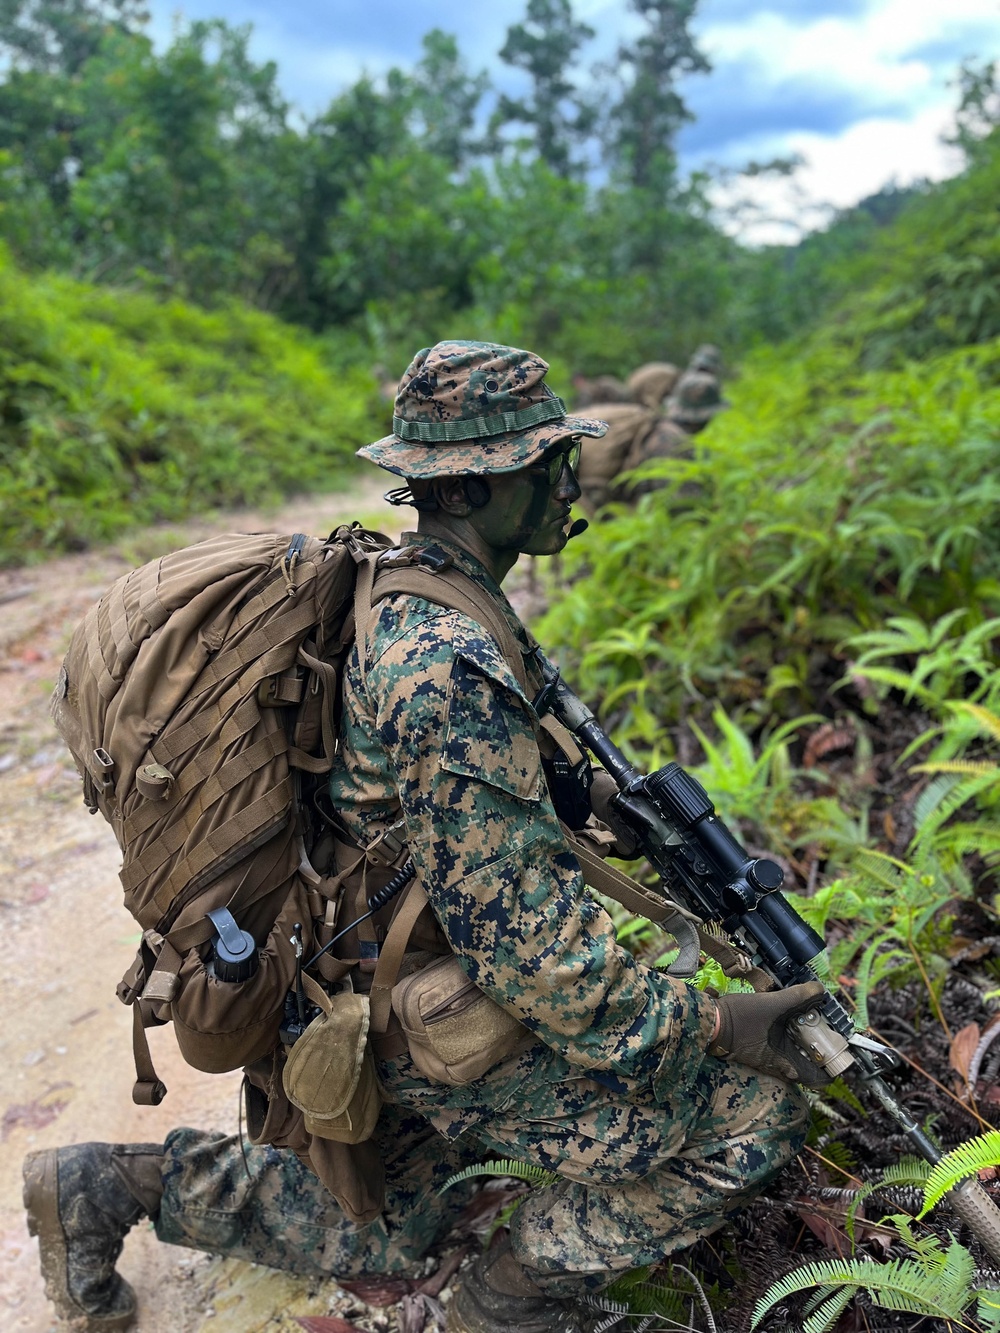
pixel 197 698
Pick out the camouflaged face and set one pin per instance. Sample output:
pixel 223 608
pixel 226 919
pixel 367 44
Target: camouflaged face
pixel 696 398
pixel 469 407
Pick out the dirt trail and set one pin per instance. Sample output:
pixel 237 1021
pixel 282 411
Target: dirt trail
pixel 65 939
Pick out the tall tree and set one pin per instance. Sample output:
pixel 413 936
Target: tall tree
pixel 545 46
pixel 446 98
pixel 643 125
pixel 60 36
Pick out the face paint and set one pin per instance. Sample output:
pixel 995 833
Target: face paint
pixel 526 512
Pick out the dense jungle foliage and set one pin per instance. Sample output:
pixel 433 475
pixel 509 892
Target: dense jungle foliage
pixel 198 291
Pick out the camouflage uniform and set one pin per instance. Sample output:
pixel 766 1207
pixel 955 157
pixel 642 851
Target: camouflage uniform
pixel 653 1140
pixel 651 382
pixel 599 389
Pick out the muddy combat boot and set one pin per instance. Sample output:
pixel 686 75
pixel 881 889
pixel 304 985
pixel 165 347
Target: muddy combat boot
pixel 495 1295
pixel 80 1202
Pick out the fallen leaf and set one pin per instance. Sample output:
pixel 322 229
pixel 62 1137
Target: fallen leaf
pixel 324 1323
pixel 439 1279
pixel 377 1290
pixel 826 740
pixel 825 1233
pixel 963 1048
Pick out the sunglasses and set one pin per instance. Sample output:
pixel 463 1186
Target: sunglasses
pixel 552 466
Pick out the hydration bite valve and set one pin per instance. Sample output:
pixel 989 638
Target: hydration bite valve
pixel 234 951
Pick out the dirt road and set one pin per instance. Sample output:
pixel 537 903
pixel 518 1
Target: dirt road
pixel 65 1045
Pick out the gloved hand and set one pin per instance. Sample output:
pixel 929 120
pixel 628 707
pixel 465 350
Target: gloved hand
pixel 752 1031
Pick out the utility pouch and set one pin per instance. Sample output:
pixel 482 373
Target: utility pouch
pixel 329 1074
pixel 454 1031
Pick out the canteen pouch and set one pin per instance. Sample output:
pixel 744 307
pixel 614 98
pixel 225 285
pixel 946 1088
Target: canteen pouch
pixel 329 1074
pixel 454 1031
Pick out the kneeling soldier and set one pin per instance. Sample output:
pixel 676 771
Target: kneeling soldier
pixel 661 1110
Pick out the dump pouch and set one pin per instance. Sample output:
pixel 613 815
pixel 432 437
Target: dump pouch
pixel 454 1031
pixel 352 1172
pixel 329 1073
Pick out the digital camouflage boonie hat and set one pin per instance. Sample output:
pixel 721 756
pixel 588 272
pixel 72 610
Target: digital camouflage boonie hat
pixel 470 407
pixel 707 358
pixel 696 399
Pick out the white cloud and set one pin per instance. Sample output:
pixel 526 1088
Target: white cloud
pixel 870 53
pixel 842 169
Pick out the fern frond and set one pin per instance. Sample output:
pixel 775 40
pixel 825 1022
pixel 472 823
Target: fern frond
pixel 905 1285
pixel 965 1160
pixel 907 1171
pixel 988 1311
pixel 828 1312
pixel 534 1175
pixel 970 767
pixel 989 722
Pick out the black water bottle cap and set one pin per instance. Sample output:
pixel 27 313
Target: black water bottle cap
pixel 234 951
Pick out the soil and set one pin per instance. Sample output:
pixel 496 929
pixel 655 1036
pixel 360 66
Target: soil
pixel 65 939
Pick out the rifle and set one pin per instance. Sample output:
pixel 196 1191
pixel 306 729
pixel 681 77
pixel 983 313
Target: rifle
pixel 700 862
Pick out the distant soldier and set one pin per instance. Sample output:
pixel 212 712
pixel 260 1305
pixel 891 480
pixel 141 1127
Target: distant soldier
pixel 695 401
pixel 600 389
pixel 651 383
pixel 387 386
pixel 601 460
pixel 665 440
pixel 707 360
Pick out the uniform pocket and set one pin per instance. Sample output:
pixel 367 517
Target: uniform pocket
pixel 488 734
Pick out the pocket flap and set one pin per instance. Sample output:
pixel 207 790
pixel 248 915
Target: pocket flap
pixel 324 1066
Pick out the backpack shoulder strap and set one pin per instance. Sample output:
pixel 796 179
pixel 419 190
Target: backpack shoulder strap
pixel 449 588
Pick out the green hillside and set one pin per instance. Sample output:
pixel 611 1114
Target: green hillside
pixel 118 408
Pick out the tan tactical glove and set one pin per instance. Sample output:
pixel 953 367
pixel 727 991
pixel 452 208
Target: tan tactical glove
pixel 752 1030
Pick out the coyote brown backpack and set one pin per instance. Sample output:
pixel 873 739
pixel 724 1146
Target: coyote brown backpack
pixel 197 697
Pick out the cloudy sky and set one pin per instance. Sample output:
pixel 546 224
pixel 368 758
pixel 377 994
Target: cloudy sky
pixel 859 88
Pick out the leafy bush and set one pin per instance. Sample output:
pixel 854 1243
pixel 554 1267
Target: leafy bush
pixel 828 499
pixel 118 408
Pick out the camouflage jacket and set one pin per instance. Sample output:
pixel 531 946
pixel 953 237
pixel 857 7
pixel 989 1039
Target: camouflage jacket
pixel 441 727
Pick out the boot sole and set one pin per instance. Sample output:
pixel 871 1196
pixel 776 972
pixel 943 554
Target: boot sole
pixel 41 1202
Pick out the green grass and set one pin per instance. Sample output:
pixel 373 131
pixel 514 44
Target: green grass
pixel 118 409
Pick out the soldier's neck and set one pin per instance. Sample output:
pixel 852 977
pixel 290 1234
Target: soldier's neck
pixel 456 528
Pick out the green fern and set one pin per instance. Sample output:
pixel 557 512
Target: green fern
pixel 907 1171
pixel 938 1284
pixel 536 1176
pixel 965 1160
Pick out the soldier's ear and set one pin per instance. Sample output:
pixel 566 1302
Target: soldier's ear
pixel 451 496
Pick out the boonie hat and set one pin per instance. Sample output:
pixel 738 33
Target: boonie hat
pixel 696 399
pixel 708 358
pixel 472 407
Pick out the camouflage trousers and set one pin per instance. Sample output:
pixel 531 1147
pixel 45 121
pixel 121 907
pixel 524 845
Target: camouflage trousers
pixel 636 1180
